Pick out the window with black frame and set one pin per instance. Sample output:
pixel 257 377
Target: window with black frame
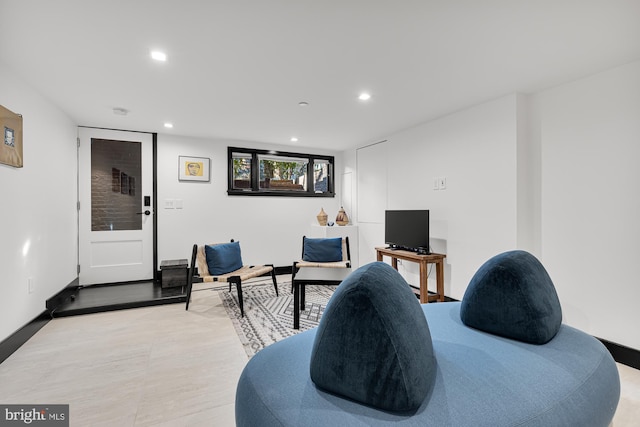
pixel 275 173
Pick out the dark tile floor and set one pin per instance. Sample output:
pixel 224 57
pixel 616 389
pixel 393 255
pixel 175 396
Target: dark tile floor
pixel 99 298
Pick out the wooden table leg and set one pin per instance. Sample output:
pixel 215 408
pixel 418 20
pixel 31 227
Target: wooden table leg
pixel 424 288
pixel 440 279
pixel 379 256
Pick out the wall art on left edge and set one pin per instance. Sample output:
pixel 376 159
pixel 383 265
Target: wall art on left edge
pixel 11 145
pixel 193 168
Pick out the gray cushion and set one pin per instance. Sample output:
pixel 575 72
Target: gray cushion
pixel 512 295
pixel 373 344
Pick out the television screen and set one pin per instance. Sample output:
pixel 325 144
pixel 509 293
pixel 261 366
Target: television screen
pixel 407 229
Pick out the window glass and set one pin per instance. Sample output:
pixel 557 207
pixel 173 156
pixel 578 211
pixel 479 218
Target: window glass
pixel 241 171
pixel 279 173
pixel 321 176
pixel 115 185
pixel 253 172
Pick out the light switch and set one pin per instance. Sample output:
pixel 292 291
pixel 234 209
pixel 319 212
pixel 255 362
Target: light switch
pixel 442 183
pixel 168 203
pixel 436 183
pixel 178 203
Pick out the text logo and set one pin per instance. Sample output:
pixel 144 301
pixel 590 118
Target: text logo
pixel 34 415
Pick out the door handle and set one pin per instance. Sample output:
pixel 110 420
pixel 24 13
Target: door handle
pixel 147 212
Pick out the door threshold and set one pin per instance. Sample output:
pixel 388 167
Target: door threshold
pixel 119 296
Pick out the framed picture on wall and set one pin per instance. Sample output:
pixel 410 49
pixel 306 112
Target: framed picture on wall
pixel 115 180
pixel 193 168
pixel 124 183
pixel 11 145
pixel 132 186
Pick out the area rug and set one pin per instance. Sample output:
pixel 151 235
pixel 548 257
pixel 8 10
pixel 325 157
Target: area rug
pixel 269 318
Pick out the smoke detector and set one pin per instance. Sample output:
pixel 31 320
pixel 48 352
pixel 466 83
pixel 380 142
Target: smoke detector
pixel 120 111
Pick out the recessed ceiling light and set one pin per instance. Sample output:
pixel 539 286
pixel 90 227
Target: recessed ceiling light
pixel 159 56
pixel 294 139
pixel 168 125
pixel 364 96
pixel 303 103
pixel 120 111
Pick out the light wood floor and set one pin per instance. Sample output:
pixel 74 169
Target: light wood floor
pixel 156 366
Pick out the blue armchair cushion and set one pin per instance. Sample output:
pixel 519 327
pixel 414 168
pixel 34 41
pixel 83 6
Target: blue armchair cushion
pixel 373 344
pixel 512 295
pixel 223 258
pixel 322 250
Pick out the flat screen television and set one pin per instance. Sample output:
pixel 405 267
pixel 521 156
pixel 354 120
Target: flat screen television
pixel 407 229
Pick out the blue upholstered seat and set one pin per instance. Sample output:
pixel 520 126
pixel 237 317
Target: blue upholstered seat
pixel 481 380
pixel 484 375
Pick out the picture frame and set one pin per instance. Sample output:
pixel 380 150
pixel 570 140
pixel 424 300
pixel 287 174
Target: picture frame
pixel 124 183
pixel 115 180
pixel 132 186
pixel 194 168
pixel 11 144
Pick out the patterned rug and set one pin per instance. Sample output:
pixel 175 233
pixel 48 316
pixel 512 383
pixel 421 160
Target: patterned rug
pixel 269 318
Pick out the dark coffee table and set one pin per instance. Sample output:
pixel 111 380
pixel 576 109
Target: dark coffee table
pixel 313 276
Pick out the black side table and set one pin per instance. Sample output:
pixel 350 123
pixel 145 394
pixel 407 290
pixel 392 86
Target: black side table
pixel 174 272
pixel 313 276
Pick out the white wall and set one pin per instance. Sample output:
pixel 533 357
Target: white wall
pixel 475 217
pixel 590 139
pixel 555 173
pixel 38 230
pixel 270 229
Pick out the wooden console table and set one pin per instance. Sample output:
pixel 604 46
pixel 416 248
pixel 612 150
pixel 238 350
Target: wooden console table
pixel 423 260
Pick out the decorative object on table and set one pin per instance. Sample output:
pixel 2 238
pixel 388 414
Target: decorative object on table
pixel 193 168
pixel 330 224
pixel 342 218
pixel 11 145
pixel 322 217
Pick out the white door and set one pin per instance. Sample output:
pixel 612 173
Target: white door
pixel 115 183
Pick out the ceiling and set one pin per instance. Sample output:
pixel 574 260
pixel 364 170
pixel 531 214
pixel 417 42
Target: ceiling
pixel 237 69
